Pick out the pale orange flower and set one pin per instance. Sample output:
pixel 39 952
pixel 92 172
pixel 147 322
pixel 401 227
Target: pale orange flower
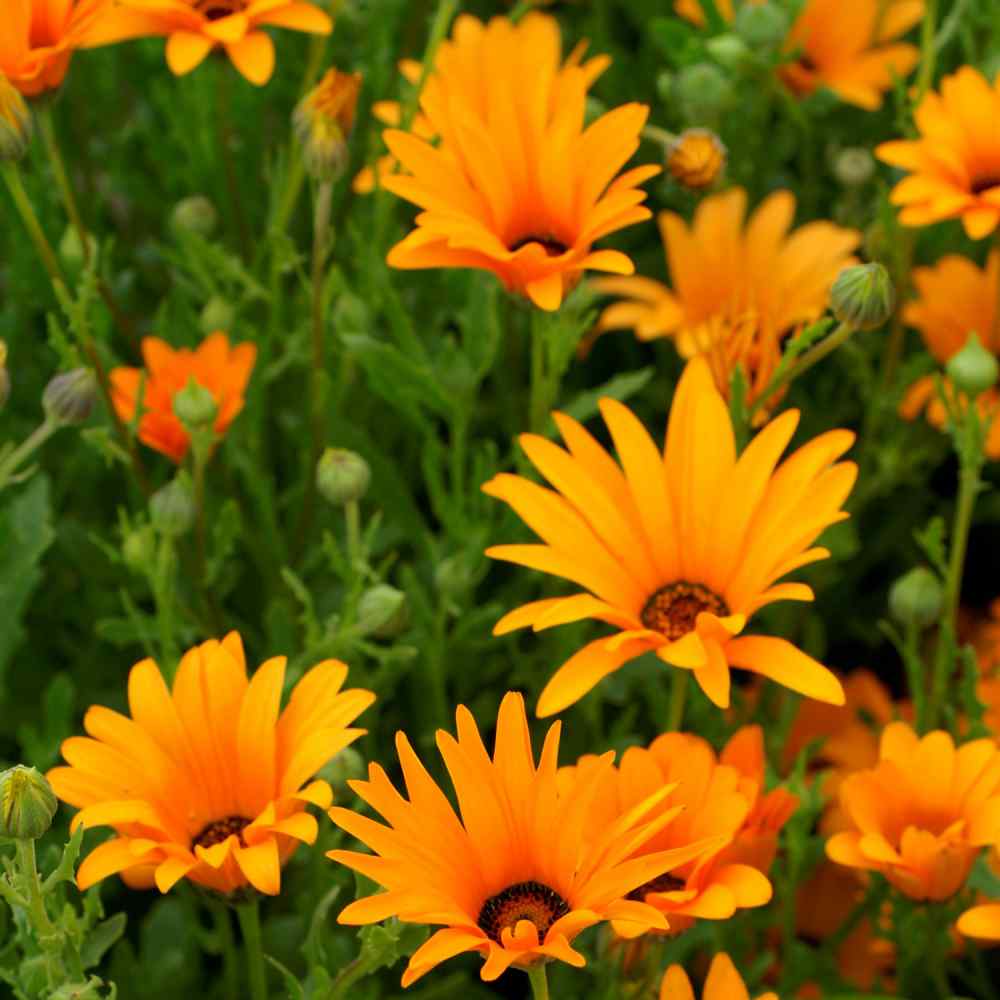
pixel 923 813
pixel 723 983
pixel 224 371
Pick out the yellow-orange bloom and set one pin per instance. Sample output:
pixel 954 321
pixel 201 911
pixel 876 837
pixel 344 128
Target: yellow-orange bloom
pixel 921 816
pixel 224 371
pixel 982 922
pixel 955 298
pixel 676 549
pixel 738 288
pixel 38 37
pixel 517 186
pixel 955 164
pixel 193 28
pixel 207 781
pixel 723 983
pixel 696 158
pixel 521 873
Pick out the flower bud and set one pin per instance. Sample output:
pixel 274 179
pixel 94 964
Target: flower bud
pixel 383 612
pixel 763 25
pixel 27 803
pixel 71 250
pixel 853 166
pixel 704 91
pixel 217 314
pixel 323 121
pixel 453 576
pixel 171 508
pixel 195 406
pixel 347 766
pixel 862 296
pixel 916 598
pixel 342 476
pixel 69 398
pixel 729 51
pixel 15 123
pixel 139 549
pixel 973 369
pixel 696 158
pixel 195 214
pixel 4 376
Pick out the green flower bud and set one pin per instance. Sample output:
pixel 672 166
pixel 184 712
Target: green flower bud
pixel 27 803
pixel 916 598
pixel 704 91
pixel 195 406
pixel 862 296
pixel 69 398
pixel 761 25
pixel 347 766
pixel 15 122
pixel 218 314
pixel 729 51
pixel 342 476
pixel 139 549
pixel 453 576
pixel 71 250
pixel 853 166
pixel 383 612
pixel 195 214
pixel 171 508
pixel 973 369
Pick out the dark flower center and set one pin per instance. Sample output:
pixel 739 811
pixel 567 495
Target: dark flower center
pixel 217 831
pixel 673 610
pixel 662 883
pixel 215 10
pixel 984 183
pixel 524 901
pixel 551 246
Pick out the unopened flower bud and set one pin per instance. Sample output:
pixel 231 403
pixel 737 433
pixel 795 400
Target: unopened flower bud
pixel 217 314
pixel 195 214
pixel 862 296
pixel 704 91
pixel 195 406
pixel 323 121
pixel 728 50
pixel 15 122
pixel 853 166
pixel 696 158
pixel 171 508
pixel 916 597
pixel 139 548
pixel 973 369
pixel 383 612
pixel 762 25
pixel 453 576
pixel 4 376
pixel 69 398
pixel 27 803
pixel 347 766
pixel 71 248
pixel 342 476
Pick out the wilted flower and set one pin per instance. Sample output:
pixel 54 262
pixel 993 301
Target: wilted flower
pixel 324 119
pixel 696 158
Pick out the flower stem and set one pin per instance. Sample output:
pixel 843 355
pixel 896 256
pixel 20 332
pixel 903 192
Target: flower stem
pixel 928 51
pixel 539 981
pixel 10 464
pixel 249 918
pixel 223 112
pixel 227 948
pixel 12 178
pixel 678 695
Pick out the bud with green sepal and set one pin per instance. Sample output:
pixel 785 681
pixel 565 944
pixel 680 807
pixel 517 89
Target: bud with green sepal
pixel 27 803
pixel 342 476
pixel 862 296
pixel 218 314
pixel 172 507
pixel 853 166
pixel 762 25
pixel 195 214
pixel 916 598
pixel 72 252
pixel 383 612
pixel 195 406
pixel 728 50
pixel 973 369
pixel 70 397
pixel 703 91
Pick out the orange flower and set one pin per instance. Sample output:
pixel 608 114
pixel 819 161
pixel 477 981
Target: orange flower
pixel 955 298
pixel 716 804
pixel 193 28
pixel 738 289
pixel 723 983
pixel 676 549
pixel 982 922
pixel 208 782
pixel 955 164
pixel 521 873
pixel 922 814
pixel 213 365
pixel 38 37
pixel 517 185
pixel 696 158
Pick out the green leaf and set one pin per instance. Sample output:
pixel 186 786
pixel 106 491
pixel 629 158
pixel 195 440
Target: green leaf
pixel 101 938
pixel 295 990
pixel 621 387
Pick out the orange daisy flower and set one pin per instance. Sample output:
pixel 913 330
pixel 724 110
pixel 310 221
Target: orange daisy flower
pixel 955 164
pixel 224 371
pixel 922 814
pixel 955 298
pixel 518 186
pixel 207 782
pixel 520 874
pixel 715 803
pixel 738 288
pixel 38 37
pixel 723 983
pixel 982 922
pixel 193 28
pixel 676 549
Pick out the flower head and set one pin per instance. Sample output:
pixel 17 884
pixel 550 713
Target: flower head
pixel 324 120
pixel 194 28
pixel 517 185
pixel 955 163
pixel 739 287
pixel 723 983
pixel 676 549
pixel 955 298
pixel 696 158
pixel 38 37
pixel 208 781
pixel 213 365
pixel 921 815
pixel 521 873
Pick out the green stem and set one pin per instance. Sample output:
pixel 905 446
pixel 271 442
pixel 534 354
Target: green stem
pixel 223 111
pixel 227 948
pixel 41 434
pixel 678 695
pixel 539 981
pixel 36 904
pixel 713 19
pixel 163 597
pixel 928 51
pixel 249 917
pixel 352 521
pixel 12 178
pixel 659 135
pixel 62 177
pixel 541 390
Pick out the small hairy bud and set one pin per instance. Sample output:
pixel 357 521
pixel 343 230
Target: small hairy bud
pixel 728 50
pixel 973 369
pixel 916 597
pixel 70 397
pixel 862 296
pixel 854 166
pixel 704 91
pixel 195 214
pixel 27 803
pixel 342 476
pixel 217 314
pixel 171 508
pixel 763 25
pixel 383 612
pixel 195 406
